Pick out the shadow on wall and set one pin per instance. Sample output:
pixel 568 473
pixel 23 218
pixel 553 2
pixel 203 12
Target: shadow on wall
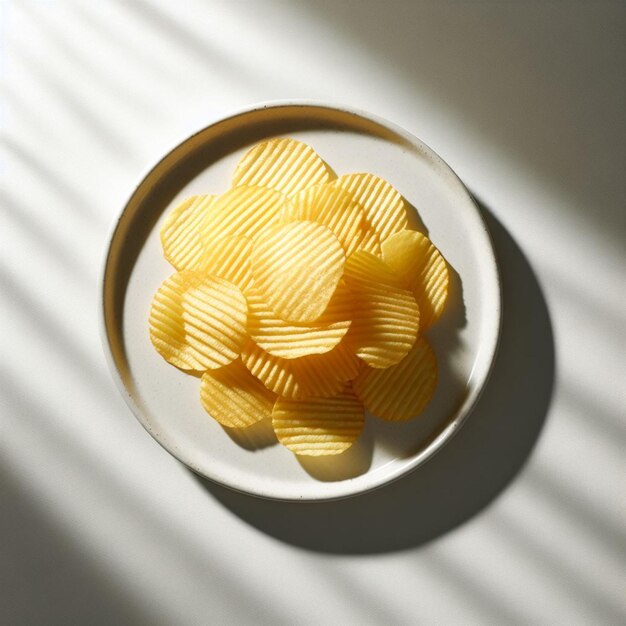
pixel 47 578
pixel 555 109
pixel 469 473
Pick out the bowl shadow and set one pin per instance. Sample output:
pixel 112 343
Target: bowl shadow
pixel 469 473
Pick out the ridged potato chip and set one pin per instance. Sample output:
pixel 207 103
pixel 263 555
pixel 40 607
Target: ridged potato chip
pixel 317 375
pixel 401 391
pixel 414 258
pixel 167 329
pixel 333 207
pixel 286 165
pixel 234 397
pixel 198 322
pixel 242 211
pixel 292 341
pixel 180 232
pixel 319 426
pixel 296 268
pixel 214 318
pixel 386 316
pixel 385 209
pixel 228 258
pixel 370 242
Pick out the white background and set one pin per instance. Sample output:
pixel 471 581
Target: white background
pixel 520 519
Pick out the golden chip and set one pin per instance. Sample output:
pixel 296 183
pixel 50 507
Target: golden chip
pixel 167 329
pixel 414 258
pixel 242 211
pixel 401 391
pixel 228 258
pixel 385 209
pixel 214 317
pixel 286 165
pixel 180 233
pixel 198 322
pixel 370 242
pixel 333 207
pixel 319 375
pixel 296 268
pixel 386 316
pixel 235 398
pixel 291 341
pixel 318 426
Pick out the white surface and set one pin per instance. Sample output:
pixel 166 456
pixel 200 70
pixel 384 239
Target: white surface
pixel 166 400
pixel 520 519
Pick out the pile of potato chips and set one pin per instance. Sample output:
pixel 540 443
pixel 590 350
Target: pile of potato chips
pixel 301 297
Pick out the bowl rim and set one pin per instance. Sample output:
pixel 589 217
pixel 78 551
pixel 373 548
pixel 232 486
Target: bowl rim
pixel 490 344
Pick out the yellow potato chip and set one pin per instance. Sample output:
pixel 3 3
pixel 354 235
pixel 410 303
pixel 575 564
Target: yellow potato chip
pixel 317 375
pixel 198 322
pixel 401 391
pixel 370 242
pixel 333 207
pixel 414 258
pixel 286 165
pixel 385 209
pixel 291 341
pixel 242 211
pixel 296 268
pixel 180 232
pixel 386 316
pixel 214 318
pixel 319 426
pixel 167 329
pixel 235 398
pixel 228 258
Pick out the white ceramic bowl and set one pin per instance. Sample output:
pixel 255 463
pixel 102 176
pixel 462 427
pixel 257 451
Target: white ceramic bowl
pixel 166 401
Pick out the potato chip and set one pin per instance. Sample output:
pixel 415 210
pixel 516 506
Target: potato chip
pixel 333 207
pixel 385 209
pixel 319 426
pixel 296 268
pixel 214 319
pixel 414 258
pixel 180 232
pixel 318 375
pixel 242 211
pixel 198 322
pixel 228 258
pixel 401 391
pixel 235 398
pixel 370 242
pixel 386 316
pixel 292 341
pixel 167 329
pixel 286 165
